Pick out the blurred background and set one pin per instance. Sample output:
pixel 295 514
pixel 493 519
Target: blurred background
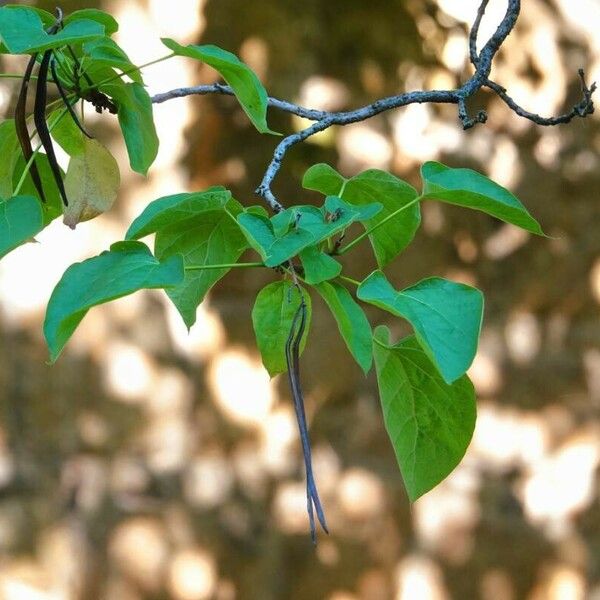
pixel 150 463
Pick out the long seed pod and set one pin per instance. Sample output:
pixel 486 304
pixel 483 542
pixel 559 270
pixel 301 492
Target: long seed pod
pixel 292 354
pixel 39 118
pixel 23 132
pixel 66 101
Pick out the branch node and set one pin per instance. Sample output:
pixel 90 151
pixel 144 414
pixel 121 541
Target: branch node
pixel 467 121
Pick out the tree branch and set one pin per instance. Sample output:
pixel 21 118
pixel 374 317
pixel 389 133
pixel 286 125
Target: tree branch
pixel 323 120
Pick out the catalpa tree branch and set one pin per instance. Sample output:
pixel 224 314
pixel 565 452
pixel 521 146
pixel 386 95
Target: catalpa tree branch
pixel 482 62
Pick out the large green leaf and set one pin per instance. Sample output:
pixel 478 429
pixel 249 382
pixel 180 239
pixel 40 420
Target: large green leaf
pixel 468 188
pixel 208 236
pixel 245 84
pixel 93 14
pixel 318 266
pixel 446 317
pixel 91 183
pixel 20 219
pixel 126 268
pixel 325 179
pixel 22 31
pixel 105 51
pixel 368 187
pixel 430 423
pixel 137 123
pixel 9 151
pixel 171 210
pixel 351 320
pixel 272 317
pixel 53 206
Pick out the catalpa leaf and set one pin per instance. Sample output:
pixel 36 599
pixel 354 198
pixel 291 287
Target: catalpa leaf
pixel 93 14
pixel 171 210
pixel 446 317
pixel 105 51
pixel 318 266
pixel 22 31
pixel 351 320
pixel 66 133
pixel 53 206
pixel 209 235
pixel 247 87
pixel 366 188
pixel 294 229
pixel 126 268
pixel 20 219
pixel 430 422
pixel 272 317
pixel 9 151
pixel 91 183
pixel 464 187
pixel 137 123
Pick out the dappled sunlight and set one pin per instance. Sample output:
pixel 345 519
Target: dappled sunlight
pixel 360 495
pixel 362 146
pixel 445 518
pixel 165 463
pixel 242 387
pixel 507 438
pixel 192 575
pixel 420 577
pixel 563 483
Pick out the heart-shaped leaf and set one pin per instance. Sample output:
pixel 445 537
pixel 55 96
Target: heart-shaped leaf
pixel 272 317
pixel 91 183
pixel 366 188
pixel 126 268
pixel 430 423
pixel 446 317
pixel 247 87
pixel 470 189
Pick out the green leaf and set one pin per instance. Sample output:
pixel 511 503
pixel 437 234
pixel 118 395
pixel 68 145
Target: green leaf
pixel 66 134
pixel 47 17
pixel 106 52
pixel 137 123
pixel 323 178
pixel 126 268
pixel 272 316
pixel 91 183
pixel 446 317
pixel 368 187
pixel 20 219
pixel 429 422
pixel 22 31
pixel 208 237
pixel 171 210
pixel 470 189
pixel 93 14
pixel 53 207
pixel 9 151
pixel 352 322
pixel 245 84
pixel 274 251
pixel 318 266
pixel 294 229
